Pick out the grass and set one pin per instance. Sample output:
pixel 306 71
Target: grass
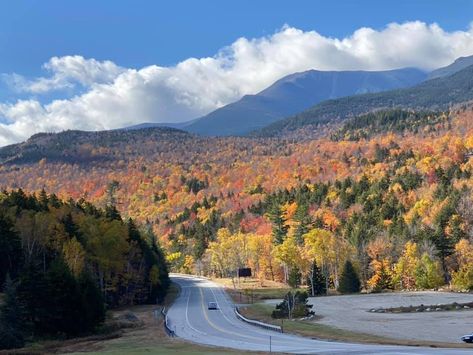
pixel 148 337
pixel 252 290
pixel 312 329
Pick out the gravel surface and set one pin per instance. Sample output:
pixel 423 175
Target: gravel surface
pixel 351 312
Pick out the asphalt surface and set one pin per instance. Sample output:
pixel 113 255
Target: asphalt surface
pixel 191 320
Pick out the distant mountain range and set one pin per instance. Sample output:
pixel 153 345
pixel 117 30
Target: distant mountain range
pixel 295 93
pixel 434 94
pixel 457 65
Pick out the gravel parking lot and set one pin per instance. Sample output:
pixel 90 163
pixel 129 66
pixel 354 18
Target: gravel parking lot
pixel 351 312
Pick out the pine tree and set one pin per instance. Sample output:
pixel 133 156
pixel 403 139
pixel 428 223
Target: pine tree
pixel 294 279
pixel 10 250
pixel 62 307
pixel 92 304
pixel 11 321
pixel 349 280
pixel 316 281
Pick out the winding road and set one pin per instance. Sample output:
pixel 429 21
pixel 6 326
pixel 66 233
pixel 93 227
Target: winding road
pixel 191 320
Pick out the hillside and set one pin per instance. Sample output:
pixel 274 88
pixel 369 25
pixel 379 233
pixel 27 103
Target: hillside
pixel 459 64
pixel 295 93
pixel 80 146
pixel 435 94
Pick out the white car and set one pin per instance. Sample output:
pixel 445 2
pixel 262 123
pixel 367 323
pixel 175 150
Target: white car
pixel 212 305
pixel 467 338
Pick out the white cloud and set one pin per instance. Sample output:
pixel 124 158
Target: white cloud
pixel 66 73
pixel 116 96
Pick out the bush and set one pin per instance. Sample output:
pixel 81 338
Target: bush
pixel 293 305
pixel 349 280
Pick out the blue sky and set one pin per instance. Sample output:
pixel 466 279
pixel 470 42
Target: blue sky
pixel 139 33
pixel 102 64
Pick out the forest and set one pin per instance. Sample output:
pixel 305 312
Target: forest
pixel 390 193
pixel 63 263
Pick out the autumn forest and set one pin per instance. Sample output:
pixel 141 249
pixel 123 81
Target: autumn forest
pixel 391 192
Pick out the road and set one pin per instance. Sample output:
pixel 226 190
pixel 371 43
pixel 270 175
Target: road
pixel 191 320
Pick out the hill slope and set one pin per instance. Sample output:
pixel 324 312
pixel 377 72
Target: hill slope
pixel 295 93
pixel 83 147
pixel 459 64
pixel 435 94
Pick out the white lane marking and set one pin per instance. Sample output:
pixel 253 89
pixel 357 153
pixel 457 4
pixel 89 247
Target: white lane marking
pixel 187 315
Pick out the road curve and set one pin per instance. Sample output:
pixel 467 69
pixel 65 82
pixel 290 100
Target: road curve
pixel 191 320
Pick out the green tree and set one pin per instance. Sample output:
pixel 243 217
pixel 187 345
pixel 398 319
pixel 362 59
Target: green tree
pixel 92 303
pixel 316 281
pixel 10 251
pixel 11 318
pixel 349 280
pixel 428 273
pixel 295 276
pixel 293 305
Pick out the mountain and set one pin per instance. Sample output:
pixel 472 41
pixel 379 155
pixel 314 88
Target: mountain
pixel 295 93
pixel 459 64
pixel 178 125
pixel 82 147
pixel 434 94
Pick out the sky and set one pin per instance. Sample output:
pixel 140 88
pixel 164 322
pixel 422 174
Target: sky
pixel 107 64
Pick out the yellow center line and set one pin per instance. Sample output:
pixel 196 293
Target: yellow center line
pixel 219 328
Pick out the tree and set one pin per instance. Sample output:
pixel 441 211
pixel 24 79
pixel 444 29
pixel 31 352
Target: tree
pixel 293 305
pixel 428 273
pixel 328 251
pixel 10 251
pixel 11 318
pixel 61 308
pixel 316 281
pixel 92 304
pixel 381 280
pixel 294 279
pixel 404 269
pixel 463 277
pixel 287 253
pixel 349 280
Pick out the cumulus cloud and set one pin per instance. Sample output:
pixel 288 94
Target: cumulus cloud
pixel 117 97
pixel 66 72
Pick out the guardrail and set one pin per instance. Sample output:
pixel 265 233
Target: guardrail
pixel 257 323
pixel 167 328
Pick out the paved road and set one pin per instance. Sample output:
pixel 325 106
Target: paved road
pixel 191 320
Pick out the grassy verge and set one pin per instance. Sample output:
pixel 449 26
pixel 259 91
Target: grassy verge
pixel 253 290
pixel 312 329
pixel 146 337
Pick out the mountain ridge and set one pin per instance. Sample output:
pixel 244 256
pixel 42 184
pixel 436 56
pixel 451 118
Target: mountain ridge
pixel 295 92
pixel 434 94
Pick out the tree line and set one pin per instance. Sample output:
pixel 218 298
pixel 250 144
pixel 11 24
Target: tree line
pixel 63 263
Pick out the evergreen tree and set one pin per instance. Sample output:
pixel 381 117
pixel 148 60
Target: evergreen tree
pixel 294 279
pixel 11 322
pixel 10 250
pixel 92 303
pixel 316 281
pixel 61 308
pixel 349 280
